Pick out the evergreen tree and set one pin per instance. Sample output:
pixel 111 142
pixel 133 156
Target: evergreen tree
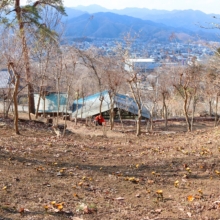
pixel 14 14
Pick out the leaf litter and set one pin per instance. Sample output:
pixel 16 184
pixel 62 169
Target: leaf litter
pixel 77 177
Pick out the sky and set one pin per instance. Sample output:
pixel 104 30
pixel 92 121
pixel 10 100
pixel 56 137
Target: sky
pixel 207 6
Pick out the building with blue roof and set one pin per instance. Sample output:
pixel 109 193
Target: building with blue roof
pixel 90 106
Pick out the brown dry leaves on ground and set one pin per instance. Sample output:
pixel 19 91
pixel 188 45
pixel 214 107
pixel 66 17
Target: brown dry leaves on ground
pixel 156 176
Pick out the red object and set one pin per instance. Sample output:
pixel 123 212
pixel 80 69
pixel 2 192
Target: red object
pixel 21 211
pixel 99 119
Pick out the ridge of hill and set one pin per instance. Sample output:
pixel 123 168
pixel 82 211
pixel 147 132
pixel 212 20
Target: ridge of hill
pixel 111 25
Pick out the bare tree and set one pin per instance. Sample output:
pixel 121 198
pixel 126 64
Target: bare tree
pixel 209 90
pixel 212 78
pixel 186 82
pixel 151 96
pixel 15 65
pixel 132 78
pixel 11 68
pixel 162 87
pixel 25 18
pixel 133 83
pixel 42 52
pixel 92 59
pixel 114 81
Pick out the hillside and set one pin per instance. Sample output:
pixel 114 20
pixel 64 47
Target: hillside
pixel 194 23
pixel 189 19
pixel 72 13
pixel 160 175
pixel 110 25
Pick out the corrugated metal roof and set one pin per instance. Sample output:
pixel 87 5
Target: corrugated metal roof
pixel 141 65
pixel 151 60
pixel 51 102
pixel 90 105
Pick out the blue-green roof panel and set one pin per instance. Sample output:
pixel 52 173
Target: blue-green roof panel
pixel 90 105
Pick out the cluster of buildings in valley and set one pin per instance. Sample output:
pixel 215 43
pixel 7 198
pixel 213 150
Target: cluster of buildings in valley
pixel 173 52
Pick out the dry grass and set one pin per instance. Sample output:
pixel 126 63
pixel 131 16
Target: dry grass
pixel 98 178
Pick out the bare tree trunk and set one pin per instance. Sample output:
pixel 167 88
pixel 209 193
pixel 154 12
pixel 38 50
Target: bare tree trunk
pixel 40 94
pixel 82 105
pixel 67 101
pixel 31 107
pixel 147 125
pixel 162 112
pixel 38 101
pixel 9 102
pixel 58 98
pixel 151 118
pixel 185 110
pixel 193 111
pixel 44 114
pixel 210 107
pixel 101 100
pixel 112 103
pixel 119 113
pixel 112 113
pixel 3 103
pixel 38 105
pixel 76 115
pixel 15 95
pixel 8 107
pixel 164 109
pixel 216 110
pixel 17 79
pixel 138 131
pixel 138 102
pixel 189 102
pixel 166 121
pixel 77 106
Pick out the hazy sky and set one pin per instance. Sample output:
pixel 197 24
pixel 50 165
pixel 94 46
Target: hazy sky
pixel 207 6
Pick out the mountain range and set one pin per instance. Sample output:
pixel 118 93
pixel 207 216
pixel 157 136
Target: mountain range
pixel 149 25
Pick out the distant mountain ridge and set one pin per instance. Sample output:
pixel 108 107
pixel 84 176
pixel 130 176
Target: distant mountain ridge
pixel 190 19
pixel 150 24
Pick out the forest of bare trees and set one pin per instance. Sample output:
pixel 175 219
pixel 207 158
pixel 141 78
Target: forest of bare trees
pixel 38 63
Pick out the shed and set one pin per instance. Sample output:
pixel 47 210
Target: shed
pixel 51 102
pixel 89 106
pixel 141 65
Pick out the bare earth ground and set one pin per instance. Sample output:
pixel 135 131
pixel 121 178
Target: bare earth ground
pixel 162 175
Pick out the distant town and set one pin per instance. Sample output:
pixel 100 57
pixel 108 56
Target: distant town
pixel 173 52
